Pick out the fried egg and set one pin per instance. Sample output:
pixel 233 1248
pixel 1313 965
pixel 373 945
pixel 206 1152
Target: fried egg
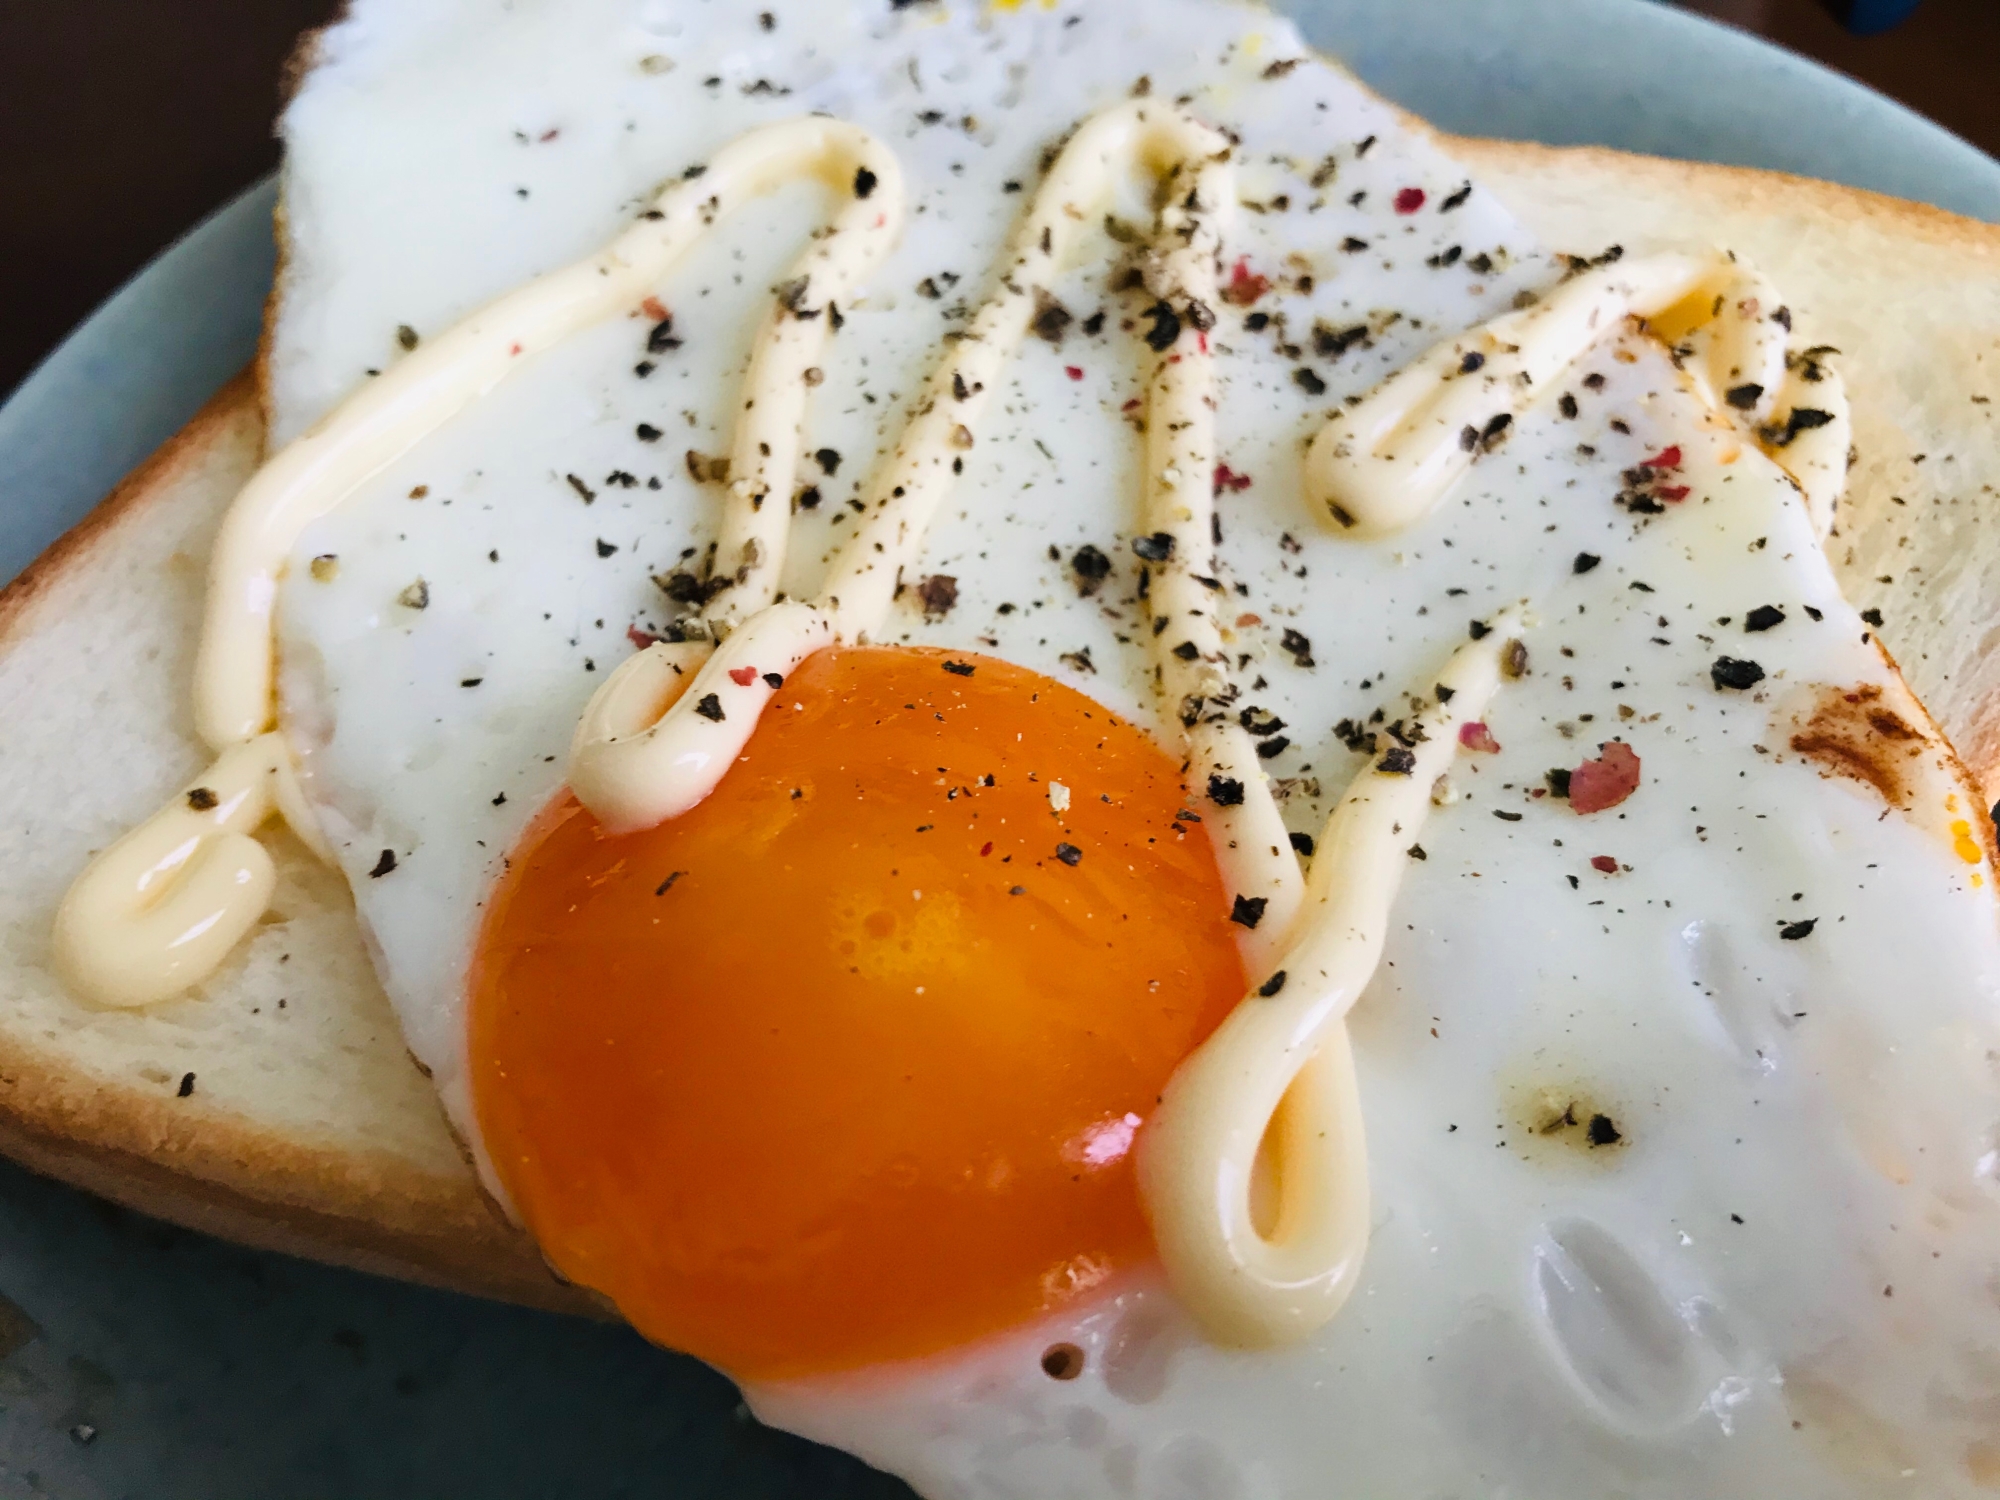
pixel 1676 1072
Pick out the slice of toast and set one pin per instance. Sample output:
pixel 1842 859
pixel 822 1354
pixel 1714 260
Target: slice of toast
pixel 276 1106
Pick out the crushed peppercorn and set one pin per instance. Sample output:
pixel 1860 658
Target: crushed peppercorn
pixel 1732 672
pixel 939 595
pixel 1764 617
pixel 1248 911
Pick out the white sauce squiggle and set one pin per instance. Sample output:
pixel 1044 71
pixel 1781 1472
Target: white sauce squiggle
pixel 386 418
pixel 664 729
pixel 1190 661
pixel 162 907
pixel 1281 1065
pixel 145 920
pixel 633 772
pixel 1384 463
pixel 666 726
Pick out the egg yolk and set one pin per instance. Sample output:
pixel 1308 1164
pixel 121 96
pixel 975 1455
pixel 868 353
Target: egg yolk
pixel 845 1064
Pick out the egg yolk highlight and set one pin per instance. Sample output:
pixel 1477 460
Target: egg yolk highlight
pixel 845 1064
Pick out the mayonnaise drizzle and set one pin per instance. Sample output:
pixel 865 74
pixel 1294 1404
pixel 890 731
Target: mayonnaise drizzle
pixel 162 907
pixel 1280 1064
pixel 633 771
pixel 1183 592
pixel 390 415
pixel 664 729
pixel 1382 464
pixel 158 911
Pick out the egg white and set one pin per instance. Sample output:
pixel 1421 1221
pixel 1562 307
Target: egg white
pixel 1777 1282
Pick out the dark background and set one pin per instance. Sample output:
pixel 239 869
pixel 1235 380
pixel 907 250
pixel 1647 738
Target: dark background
pixel 122 122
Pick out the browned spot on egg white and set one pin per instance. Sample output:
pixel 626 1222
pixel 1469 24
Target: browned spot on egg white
pixel 1856 733
pixel 1881 736
pixel 1556 1115
pixel 1572 1119
pixel 1982 1464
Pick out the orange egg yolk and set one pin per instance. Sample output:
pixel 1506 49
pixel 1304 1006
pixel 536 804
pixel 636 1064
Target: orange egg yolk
pixel 845 1064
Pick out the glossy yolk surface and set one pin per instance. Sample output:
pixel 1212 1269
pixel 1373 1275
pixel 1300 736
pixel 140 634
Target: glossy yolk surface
pixel 845 1064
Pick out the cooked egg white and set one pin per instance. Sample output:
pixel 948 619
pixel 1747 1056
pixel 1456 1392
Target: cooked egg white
pixel 1683 1168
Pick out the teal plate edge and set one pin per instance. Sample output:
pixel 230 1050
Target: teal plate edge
pixel 145 1361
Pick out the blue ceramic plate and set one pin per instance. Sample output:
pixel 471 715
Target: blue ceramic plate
pixel 139 1360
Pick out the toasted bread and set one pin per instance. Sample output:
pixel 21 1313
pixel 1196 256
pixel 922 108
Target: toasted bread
pixel 276 1105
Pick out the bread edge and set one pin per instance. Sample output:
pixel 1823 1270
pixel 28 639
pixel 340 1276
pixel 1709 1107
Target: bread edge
pixel 213 1172
pixel 20 597
pixel 1923 221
